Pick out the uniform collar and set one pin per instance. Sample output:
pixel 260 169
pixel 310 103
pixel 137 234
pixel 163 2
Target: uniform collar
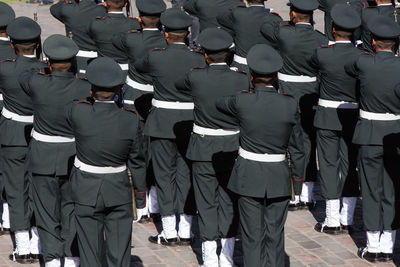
pixel 178 45
pixel 266 89
pixel 303 23
pixel 218 64
pixel 342 42
pixel 7 39
pixel 257 6
pixel 390 4
pixel 150 29
pixel 104 102
pixel 29 56
pixel 116 12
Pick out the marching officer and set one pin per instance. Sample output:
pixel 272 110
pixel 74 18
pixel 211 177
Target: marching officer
pixel 106 139
pixel 261 174
pixel 52 148
pixel 245 24
pixel 77 15
pixel 327 5
pixel 15 127
pixel 169 124
pixel 7 15
pixel 213 146
pixel 136 45
pixel 296 42
pixel 208 10
pixel 384 8
pixel 335 119
pixel 103 29
pixel 376 134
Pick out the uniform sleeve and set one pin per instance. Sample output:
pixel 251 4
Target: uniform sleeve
pixel 143 64
pixel 228 105
pixel 296 151
pixel 190 7
pixel 352 68
pixel 55 10
pixel 271 32
pixel 314 61
pixel 183 83
pixel 24 80
pixel 137 161
pixel 68 114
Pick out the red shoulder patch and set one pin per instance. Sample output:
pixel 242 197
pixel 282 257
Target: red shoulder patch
pixel 363 3
pixel 8 60
pixel 246 92
pixel 281 23
pixel 132 18
pixel 196 51
pixel 238 6
pixel 276 14
pixel 197 68
pixel 157 49
pixel 83 101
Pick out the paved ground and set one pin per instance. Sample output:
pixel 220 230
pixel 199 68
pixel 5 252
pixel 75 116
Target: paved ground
pixel 304 246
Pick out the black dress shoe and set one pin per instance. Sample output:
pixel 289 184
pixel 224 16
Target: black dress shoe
pixel 160 240
pixel 185 241
pixel 23 259
pixel 294 207
pixel 369 256
pixel 35 257
pixel 322 228
pixel 386 257
pixel 306 205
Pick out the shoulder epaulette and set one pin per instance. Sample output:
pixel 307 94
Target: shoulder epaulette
pixel 196 51
pixel 276 14
pixel 326 46
pixel 366 52
pixel 133 31
pixel 197 68
pixel 238 71
pixel 246 92
pixel 83 101
pixel 288 95
pixel 8 60
pixel 100 17
pixel 372 7
pixel 239 6
pixel 158 49
pixel 285 24
pixel 132 18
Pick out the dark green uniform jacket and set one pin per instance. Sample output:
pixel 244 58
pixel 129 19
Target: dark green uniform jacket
pixel 77 17
pixel 166 66
pixel 207 85
pixel 6 52
pixel 335 84
pixel 105 135
pixel 13 133
pixel 377 95
pixel 262 131
pixel 326 7
pixel 208 10
pixel 103 29
pixel 383 10
pixel 50 93
pixel 245 23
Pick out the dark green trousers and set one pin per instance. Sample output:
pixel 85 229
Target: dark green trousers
pixel 104 234
pixel 307 98
pixel 262 224
pixel 16 182
pixel 173 176
pixel 379 171
pixel 337 158
pixel 54 214
pixel 216 204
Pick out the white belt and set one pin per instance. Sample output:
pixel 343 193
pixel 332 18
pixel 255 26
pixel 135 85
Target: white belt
pixel 1 97
pixel 296 78
pixel 261 157
pixel 124 66
pixel 51 138
pixel 378 116
pixel 172 105
pixel 213 132
pixel 139 86
pixel 15 117
pixel 337 104
pixel 96 169
pixel 240 60
pixel 87 54
pixel 129 102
